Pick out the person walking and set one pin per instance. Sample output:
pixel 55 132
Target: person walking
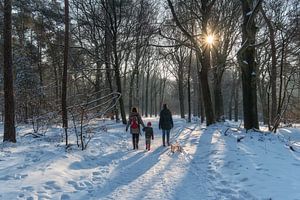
pixel 148 135
pixel 134 123
pixel 166 124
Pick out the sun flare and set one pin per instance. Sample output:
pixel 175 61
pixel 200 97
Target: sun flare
pixel 210 39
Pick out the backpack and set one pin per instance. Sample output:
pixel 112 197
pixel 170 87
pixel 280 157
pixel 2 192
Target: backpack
pixel 134 122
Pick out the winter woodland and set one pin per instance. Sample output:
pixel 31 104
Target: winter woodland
pixel 72 70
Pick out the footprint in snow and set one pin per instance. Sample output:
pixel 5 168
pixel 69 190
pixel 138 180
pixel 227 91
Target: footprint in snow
pixel 44 196
pixel 35 159
pixel 96 176
pixel 28 188
pixel 20 195
pixel 65 197
pixel 224 190
pixel 81 185
pixel 52 185
pixel 244 179
pixel 15 177
pixel 22 166
pixel 224 182
pixel 5 178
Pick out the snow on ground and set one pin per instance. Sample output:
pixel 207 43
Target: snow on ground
pixel 213 165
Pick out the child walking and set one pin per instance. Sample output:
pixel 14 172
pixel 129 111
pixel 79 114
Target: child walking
pixel 148 135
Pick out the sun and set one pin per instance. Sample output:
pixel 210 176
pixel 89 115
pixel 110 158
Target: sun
pixel 210 39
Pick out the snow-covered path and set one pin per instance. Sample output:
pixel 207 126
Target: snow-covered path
pixel 154 175
pixel 212 166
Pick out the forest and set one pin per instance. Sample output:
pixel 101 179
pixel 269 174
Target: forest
pixel 67 62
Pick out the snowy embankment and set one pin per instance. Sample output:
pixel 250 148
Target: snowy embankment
pixel 213 165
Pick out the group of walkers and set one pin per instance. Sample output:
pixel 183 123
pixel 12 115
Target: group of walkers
pixel 165 124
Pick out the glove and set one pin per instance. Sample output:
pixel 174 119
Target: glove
pixel 126 129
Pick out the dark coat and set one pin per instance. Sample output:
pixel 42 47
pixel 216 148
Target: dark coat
pixel 148 132
pixel 165 119
pixel 140 122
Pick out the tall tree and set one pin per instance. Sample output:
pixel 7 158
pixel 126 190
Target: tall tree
pixel 223 36
pixel 65 73
pixel 273 74
pixel 116 18
pixel 9 105
pixel 246 59
pixel 202 52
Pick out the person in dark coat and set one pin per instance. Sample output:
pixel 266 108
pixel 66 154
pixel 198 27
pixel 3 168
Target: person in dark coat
pixel 166 124
pixel 148 135
pixel 134 123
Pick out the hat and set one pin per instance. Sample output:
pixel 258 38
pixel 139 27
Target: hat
pixel 149 124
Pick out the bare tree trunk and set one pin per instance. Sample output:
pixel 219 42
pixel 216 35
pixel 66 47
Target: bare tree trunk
pixel 189 88
pixel 273 75
pixel 56 80
pixel 246 58
pixel 65 73
pixel 107 56
pixel 125 71
pixel 200 95
pixel 151 97
pixel 181 90
pixel 143 100
pixel 162 86
pixel 9 104
pixel 118 81
pixel 137 94
pixel 219 110
pixel 40 64
pixel 155 99
pixel 281 85
pixel 195 96
pixel 130 95
pixel 231 100
pixel 236 102
pixel 203 55
pixel 147 90
pixel 208 107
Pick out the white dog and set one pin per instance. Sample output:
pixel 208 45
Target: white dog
pixel 176 147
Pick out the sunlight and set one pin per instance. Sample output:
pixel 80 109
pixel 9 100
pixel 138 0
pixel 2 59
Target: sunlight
pixel 210 39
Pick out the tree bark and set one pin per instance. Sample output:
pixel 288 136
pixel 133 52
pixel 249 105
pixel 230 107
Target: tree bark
pixel 147 90
pixel 189 88
pixel 236 98
pixel 231 100
pixel 65 73
pixel 130 95
pixel 118 80
pixel 203 55
pixel 107 59
pixel 273 75
pixel 246 58
pixel 9 104
pixel 181 90
pixel 206 96
pixel 219 109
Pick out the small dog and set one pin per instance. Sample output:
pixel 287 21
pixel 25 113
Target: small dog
pixel 176 148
